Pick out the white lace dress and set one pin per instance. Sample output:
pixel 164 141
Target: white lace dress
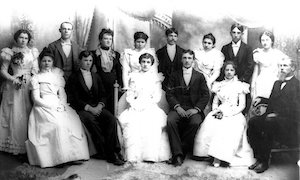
pixel 226 138
pixel 16 104
pixel 54 137
pixel 143 122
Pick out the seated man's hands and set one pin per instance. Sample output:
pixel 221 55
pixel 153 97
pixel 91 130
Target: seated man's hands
pixel 181 112
pixel 191 112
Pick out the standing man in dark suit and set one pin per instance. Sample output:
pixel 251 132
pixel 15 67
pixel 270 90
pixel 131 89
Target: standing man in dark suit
pixel 240 53
pixel 187 95
pixel 169 56
pixel 87 96
pixel 281 121
pixel 65 50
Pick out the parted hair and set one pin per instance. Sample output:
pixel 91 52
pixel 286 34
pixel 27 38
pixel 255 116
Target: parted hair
pixel 20 31
pixel 146 56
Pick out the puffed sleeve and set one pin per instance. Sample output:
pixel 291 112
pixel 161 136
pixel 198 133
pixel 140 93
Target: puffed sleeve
pixel 35 64
pixel 243 88
pixel 219 60
pixel 34 83
pixel 6 54
pixel 216 87
pixel 257 55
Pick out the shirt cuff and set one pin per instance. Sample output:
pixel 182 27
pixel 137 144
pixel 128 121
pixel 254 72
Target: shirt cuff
pixel 176 106
pixel 86 107
pixel 198 109
pixel 103 105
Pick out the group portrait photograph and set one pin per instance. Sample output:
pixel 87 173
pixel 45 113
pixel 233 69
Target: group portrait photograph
pixel 149 89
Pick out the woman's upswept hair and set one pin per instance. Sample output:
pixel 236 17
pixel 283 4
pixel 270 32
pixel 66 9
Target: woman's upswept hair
pixel 20 31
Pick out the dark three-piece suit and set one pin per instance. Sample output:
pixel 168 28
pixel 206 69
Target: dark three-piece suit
pixel 195 95
pixel 166 66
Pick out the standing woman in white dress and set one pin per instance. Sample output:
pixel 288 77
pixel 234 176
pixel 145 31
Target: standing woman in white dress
pixel 55 132
pixel 143 121
pixel 209 62
pixel 16 105
pixel 130 63
pixel 266 70
pixel 130 57
pixel 222 135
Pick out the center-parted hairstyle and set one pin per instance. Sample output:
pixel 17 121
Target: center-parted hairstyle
pixel 140 35
pixel 269 34
pixel 237 25
pixel 171 30
pixel 190 52
pixel 146 56
pixel 211 37
pixel 229 63
pixel 20 31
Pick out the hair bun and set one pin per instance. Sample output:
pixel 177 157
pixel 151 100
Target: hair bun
pixel 46 52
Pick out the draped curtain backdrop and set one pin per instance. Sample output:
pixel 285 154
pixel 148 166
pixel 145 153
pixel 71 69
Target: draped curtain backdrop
pixel 152 17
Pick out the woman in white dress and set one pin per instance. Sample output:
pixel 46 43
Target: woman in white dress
pixel 222 134
pixel 55 132
pixel 16 105
pixel 143 121
pixel 130 64
pixel 209 62
pixel 130 57
pixel 266 70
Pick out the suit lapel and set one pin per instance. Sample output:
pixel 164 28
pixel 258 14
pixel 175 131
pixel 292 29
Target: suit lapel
pixel 95 84
pixel 230 51
pixel 60 50
pixel 181 79
pixel 167 54
pixel 241 52
pixel 193 78
pixel 82 82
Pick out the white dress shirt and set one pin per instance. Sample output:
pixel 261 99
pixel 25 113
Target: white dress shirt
pixel 66 46
pixel 187 75
pixel 284 83
pixel 171 49
pixel 236 47
pixel 87 76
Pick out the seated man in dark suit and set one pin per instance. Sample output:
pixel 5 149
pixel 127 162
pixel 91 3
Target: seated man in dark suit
pixel 86 95
pixel 281 121
pixel 187 95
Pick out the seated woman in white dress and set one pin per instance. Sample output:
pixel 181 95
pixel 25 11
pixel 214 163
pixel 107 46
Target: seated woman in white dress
pixel 143 121
pixel 222 134
pixel 209 62
pixel 55 132
pixel 130 64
